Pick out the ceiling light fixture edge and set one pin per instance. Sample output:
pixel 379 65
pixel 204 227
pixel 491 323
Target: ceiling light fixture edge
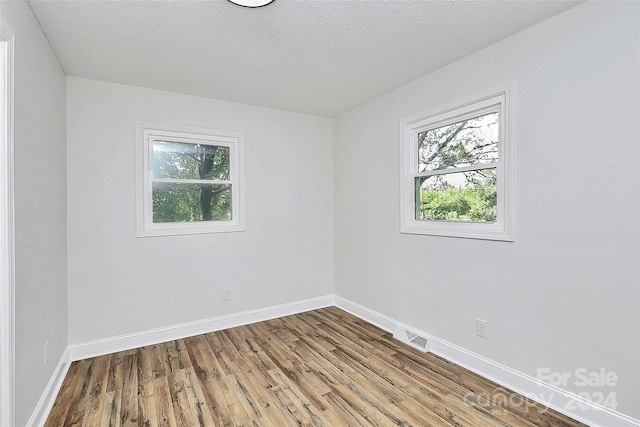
pixel 251 4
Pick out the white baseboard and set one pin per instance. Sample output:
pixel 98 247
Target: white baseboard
pixel 40 413
pixel 173 332
pixel 565 402
pixel 558 399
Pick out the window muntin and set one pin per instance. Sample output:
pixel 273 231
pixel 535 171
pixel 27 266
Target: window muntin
pixel 457 172
pixel 191 180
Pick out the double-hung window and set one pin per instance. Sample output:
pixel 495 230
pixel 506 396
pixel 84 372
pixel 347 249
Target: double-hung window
pixel 189 180
pixel 457 175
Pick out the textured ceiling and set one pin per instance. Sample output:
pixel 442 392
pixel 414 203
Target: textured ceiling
pixel 321 57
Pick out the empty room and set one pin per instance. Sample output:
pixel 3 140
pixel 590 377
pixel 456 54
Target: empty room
pixel 320 213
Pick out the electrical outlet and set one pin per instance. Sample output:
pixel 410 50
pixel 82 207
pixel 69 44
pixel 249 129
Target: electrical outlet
pixel 45 352
pixel 226 294
pixel 481 328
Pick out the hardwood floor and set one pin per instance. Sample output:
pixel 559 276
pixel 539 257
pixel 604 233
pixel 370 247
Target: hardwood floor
pixel 320 368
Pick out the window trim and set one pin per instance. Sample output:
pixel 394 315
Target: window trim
pixel 500 98
pixel 146 132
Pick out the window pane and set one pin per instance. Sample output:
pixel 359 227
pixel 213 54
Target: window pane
pixel 459 196
pixel 180 160
pixel 174 202
pixel 464 143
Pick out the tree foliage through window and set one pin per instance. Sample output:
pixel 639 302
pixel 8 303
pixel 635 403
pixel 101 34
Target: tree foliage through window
pixel 458 178
pixel 190 182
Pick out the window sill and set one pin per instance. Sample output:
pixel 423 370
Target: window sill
pixel 493 231
pixel 169 229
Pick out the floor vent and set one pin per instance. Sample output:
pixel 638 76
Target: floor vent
pixel 412 338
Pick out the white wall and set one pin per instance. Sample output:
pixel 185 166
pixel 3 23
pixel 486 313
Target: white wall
pixel 40 208
pixel 120 284
pixel 566 293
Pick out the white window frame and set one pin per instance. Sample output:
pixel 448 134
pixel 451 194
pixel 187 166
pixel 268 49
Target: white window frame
pixel 499 99
pixel 146 133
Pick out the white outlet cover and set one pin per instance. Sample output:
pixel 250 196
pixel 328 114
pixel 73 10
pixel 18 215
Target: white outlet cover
pixel 481 328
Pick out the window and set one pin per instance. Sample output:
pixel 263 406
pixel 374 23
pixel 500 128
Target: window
pixel 457 177
pixel 189 180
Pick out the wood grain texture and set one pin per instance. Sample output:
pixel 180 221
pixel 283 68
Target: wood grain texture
pixel 320 368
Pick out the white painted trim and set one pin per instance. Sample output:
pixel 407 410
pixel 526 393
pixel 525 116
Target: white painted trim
pixel 145 132
pixel 378 319
pixel 565 402
pixel 497 99
pixel 558 399
pixel 169 333
pixel 7 245
pixel 48 398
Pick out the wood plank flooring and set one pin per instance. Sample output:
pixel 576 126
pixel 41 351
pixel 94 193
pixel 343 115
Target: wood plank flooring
pixel 319 368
